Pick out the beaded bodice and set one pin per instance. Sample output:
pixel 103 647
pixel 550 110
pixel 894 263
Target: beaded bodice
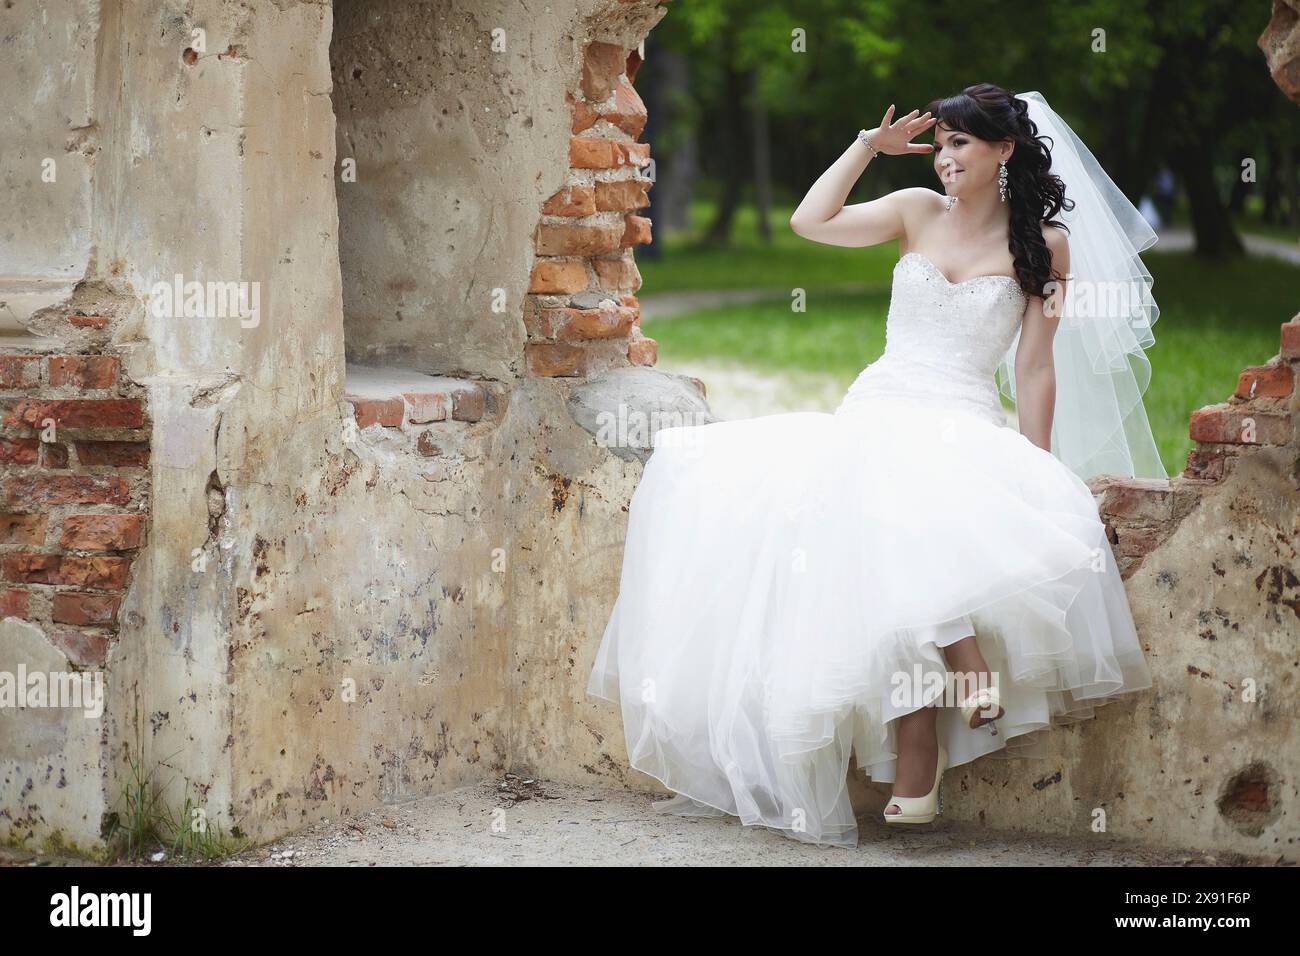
pixel 943 340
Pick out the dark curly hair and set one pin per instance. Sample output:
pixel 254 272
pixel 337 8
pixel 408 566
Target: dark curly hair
pixel 1036 194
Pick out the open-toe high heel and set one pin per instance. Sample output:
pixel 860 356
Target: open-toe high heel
pixel 975 706
pixel 921 809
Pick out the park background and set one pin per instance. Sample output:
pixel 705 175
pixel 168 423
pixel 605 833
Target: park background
pixel 749 101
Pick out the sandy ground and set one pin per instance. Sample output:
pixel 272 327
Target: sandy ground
pixel 519 822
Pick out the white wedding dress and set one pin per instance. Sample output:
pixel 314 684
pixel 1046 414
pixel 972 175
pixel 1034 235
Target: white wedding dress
pixel 782 576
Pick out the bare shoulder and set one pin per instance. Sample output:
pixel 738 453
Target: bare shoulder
pixel 919 207
pixel 1058 243
pixel 920 200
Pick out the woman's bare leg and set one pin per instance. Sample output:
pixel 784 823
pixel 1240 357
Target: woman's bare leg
pixel 964 658
pixel 918 750
pixel 918 744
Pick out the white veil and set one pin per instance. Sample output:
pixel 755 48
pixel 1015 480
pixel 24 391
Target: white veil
pixel 1100 425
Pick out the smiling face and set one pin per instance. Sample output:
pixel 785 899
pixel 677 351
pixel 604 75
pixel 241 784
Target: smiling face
pixel 965 163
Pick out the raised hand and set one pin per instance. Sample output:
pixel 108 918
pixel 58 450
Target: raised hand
pixel 894 138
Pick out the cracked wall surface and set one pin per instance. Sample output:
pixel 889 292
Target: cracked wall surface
pixel 323 615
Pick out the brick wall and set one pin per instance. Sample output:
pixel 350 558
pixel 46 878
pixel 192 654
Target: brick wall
pixel 74 485
pixel 581 312
pixel 1141 513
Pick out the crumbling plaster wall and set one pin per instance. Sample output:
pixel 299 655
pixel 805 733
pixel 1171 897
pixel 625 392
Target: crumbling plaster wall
pixel 438 123
pixel 291 556
pixel 45 168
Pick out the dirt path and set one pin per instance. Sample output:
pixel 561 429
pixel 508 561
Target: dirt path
pixel 1182 240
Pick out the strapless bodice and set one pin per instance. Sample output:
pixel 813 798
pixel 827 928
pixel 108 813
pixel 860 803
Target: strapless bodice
pixel 943 340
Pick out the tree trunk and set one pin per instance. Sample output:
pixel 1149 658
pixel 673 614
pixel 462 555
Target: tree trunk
pixel 678 165
pixel 1216 237
pixel 762 153
pixel 1240 190
pixel 1290 183
pixel 731 137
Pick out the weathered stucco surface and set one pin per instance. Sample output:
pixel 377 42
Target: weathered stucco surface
pixel 291 555
pixel 45 168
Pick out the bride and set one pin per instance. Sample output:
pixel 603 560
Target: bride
pixel 907 580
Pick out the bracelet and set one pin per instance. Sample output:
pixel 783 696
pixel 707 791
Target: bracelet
pixel 862 135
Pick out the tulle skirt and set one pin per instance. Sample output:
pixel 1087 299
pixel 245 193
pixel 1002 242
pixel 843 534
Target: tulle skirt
pixel 789 582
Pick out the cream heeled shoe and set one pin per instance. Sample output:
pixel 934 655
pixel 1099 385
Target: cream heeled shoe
pixel 920 809
pixel 980 701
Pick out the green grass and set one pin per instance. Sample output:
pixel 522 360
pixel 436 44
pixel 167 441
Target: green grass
pixel 1214 319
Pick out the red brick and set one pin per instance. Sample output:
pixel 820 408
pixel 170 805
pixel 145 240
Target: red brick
pixel 118 454
pixel 101 532
pixel 14 603
pixel 622 195
pixel 1137 541
pixel 379 411
pixel 84 371
pixel 1147 499
pixel 1207 463
pixel 613 275
pixel 629 112
pixel 594 152
pixel 94 571
pixel 1259 381
pixel 643 351
pixel 584 114
pixel 80 607
pixel 579 324
pixel 89 321
pixel 19 451
pixel 540 322
pixel 54 455
pixel 84 648
pixel 636 231
pixel 563 239
pixel 20 371
pixel 602 68
pixel 1223 424
pixel 558 277
pixel 23 529
pixel 25 567
pixel 1291 339
pixel 425 407
pixel 80 412
pixel 468 404
pixel 38 491
pixel 638 154
pixel 573 200
pixel 549 359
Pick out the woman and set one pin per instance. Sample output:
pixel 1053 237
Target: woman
pixel 897 580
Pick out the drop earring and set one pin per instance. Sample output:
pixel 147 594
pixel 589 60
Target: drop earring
pixel 1002 181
